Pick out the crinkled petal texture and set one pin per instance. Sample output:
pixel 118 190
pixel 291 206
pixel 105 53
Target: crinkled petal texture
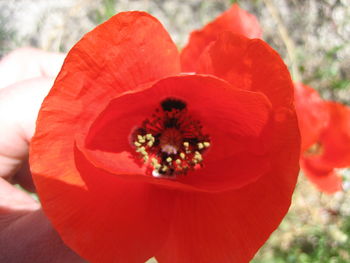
pixel 313 114
pixel 235 20
pixel 334 145
pixel 100 197
pixel 237 121
pixel 102 217
pixel 231 226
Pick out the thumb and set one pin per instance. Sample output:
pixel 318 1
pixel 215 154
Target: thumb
pixel 27 63
pixel 19 106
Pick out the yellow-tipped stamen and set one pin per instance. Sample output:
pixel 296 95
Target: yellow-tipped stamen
pixel 182 156
pixel 149 136
pixel 141 149
pixel 198 157
pixel 206 144
pixel 170 142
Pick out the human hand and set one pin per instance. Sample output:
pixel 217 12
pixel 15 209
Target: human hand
pixel 26 235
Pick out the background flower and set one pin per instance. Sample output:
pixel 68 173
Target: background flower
pixel 235 20
pixel 330 150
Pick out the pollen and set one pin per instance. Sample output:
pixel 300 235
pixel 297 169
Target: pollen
pixel 206 144
pixel 182 155
pixel 198 157
pixel 171 142
pixel 200 145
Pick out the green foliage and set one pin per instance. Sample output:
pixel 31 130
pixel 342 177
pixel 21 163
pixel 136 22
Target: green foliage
pixel 331 71
pixel 7 36
pixel 106 11
pixel 327 244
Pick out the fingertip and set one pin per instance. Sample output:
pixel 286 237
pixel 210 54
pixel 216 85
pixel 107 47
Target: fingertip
pixel 26 63
pixel 19 107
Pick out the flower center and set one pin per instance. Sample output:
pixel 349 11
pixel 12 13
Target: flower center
pixel 170 142
pixel 315 149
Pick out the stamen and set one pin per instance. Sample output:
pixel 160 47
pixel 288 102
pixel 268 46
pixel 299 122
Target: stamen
pixel 182 155
pixel 171 143
pixel 206 144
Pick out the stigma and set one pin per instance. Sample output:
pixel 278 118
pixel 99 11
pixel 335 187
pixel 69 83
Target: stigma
pixel 170 142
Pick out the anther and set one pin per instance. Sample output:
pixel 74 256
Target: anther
pixel 206 144
pixel 182 155
pixel 198 156
pixel 141 149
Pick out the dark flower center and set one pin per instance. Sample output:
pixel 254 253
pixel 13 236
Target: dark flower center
pixel 315 149
pixel 170 142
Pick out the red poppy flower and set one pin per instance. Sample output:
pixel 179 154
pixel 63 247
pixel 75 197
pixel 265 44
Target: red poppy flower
pixel 313 114
pixel 235 20
pixel 132 159
pixel 331 145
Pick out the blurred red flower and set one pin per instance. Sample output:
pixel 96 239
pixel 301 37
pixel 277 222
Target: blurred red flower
pixel 235 20
pixel 325 136
pixel 133 159
pixel 313 114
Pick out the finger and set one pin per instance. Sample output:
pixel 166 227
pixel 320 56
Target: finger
pixel 14 199
pixel 36 241
pixel 27 63
pixel 19 106
pixel 24 178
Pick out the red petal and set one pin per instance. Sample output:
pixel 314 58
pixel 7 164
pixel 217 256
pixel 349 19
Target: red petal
pixel 81 90
pixel 249 64
pixel 334 150
pixel 312 114
pixel 125 52
pixel 231 226
pixel 334 140
pixel 237 121
pixel 107 219
pixel 326 179
pixel 235 19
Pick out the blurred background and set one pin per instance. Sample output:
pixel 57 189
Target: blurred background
pixel 317 34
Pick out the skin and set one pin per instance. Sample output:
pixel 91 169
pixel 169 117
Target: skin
pixel 26 235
